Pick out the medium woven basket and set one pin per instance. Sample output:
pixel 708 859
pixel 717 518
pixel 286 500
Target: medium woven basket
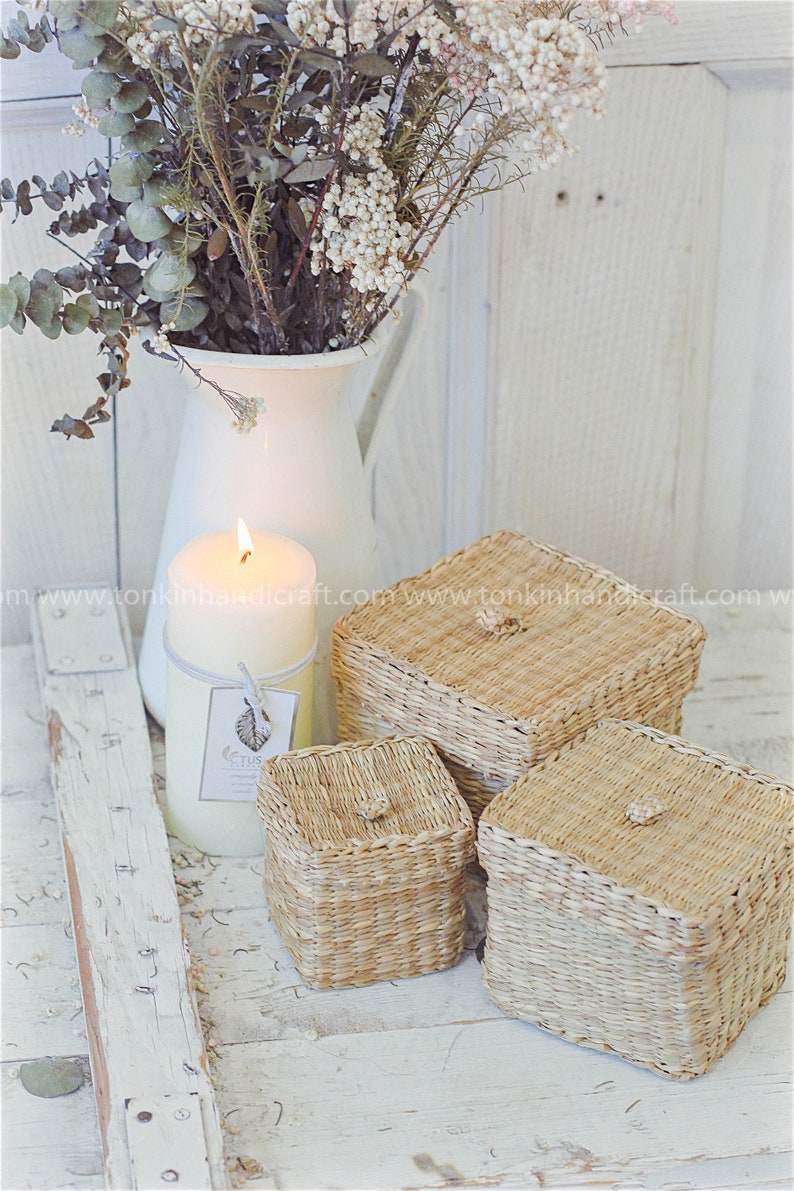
pixel 503 651
pixel 366 847
pixel 639 896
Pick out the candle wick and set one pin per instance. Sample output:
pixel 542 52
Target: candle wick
pixel 246 556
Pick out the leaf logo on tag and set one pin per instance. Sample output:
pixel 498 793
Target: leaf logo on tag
pixel 252 736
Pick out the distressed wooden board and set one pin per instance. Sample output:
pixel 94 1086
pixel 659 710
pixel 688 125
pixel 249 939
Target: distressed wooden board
pixel 49 1144
pixel 497 1103
pixel 144 1037
pixel 41 992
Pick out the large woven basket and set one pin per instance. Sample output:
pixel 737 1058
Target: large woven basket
pixel 505 650
pixel 639 896
pixel 366 847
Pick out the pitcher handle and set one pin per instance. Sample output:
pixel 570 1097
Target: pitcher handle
pixel 386 384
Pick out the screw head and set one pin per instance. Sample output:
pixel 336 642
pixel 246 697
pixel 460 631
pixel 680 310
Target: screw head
pixel 170 1176
pixel 182 1114
pixel 144 1117
pixel 58 613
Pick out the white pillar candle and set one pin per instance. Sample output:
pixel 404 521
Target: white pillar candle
pixel 233 599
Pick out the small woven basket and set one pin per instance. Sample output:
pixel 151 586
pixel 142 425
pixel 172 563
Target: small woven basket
pixel 639 896
pixel 366 847
pixel 502 652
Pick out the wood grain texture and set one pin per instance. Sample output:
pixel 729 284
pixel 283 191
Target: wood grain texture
pixel 709 30
pixel 745 520
pixel 143 1034
pixel 59 521
pixel 49 1144
pixel 592 347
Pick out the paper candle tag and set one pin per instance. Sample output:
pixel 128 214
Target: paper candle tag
pixel 236 747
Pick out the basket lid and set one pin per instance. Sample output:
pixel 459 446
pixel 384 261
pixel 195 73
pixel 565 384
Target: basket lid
pixel 361 795
pixel 522 627
pixel 682 827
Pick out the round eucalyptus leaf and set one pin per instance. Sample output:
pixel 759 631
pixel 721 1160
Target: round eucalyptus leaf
pixel 146 222
pixel 88 302
pixel 187 313
pixel 125 194
pixel 130 97
pixel 52 330
pixel 180 242
pixel 8 305
pixel 145 135
pixel 75 318
pixel 153 191
pixel 99 87
pixel 168 273
pixel 21 287
pixel 81 47
pixel 42 306
pixel 51 1077
pixel 131 169
pixel 115 123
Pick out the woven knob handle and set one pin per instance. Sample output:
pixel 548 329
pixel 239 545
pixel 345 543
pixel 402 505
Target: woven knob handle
pixel 498 621
pixel 648 810
pixel 376 808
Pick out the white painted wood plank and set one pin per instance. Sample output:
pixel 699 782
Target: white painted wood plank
pixel 596 292
pixel 709 30
pixel 58 505
pixel 41 992
pixel 49 1144
pixel 144 1037
pixel 498 1103
pixel 745 532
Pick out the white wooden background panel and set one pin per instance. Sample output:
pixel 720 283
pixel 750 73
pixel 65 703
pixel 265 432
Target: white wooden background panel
pixel 57 497
pixel 596 293
pixel 614 377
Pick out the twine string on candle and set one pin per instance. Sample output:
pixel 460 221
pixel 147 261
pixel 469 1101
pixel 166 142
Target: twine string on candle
pixel 213 679
pixel 253 697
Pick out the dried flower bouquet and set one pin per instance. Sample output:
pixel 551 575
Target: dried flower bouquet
pixel 281 169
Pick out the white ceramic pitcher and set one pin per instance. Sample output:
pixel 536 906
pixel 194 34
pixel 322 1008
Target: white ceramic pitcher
pixel 303 471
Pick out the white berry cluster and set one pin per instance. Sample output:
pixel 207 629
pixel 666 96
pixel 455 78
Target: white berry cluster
pixel 321 23
pixel 86 118
pixel 615 11
pixel 201 22
pixel 534 65
pixel 358 231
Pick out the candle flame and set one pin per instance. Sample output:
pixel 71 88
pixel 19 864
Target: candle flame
pixel 244 543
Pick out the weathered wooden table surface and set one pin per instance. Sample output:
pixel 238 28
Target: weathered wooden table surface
pixel 416 1083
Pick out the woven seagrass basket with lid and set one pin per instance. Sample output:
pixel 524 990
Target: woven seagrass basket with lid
pixel 366 847
pixel 501 652
pixel 639 896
